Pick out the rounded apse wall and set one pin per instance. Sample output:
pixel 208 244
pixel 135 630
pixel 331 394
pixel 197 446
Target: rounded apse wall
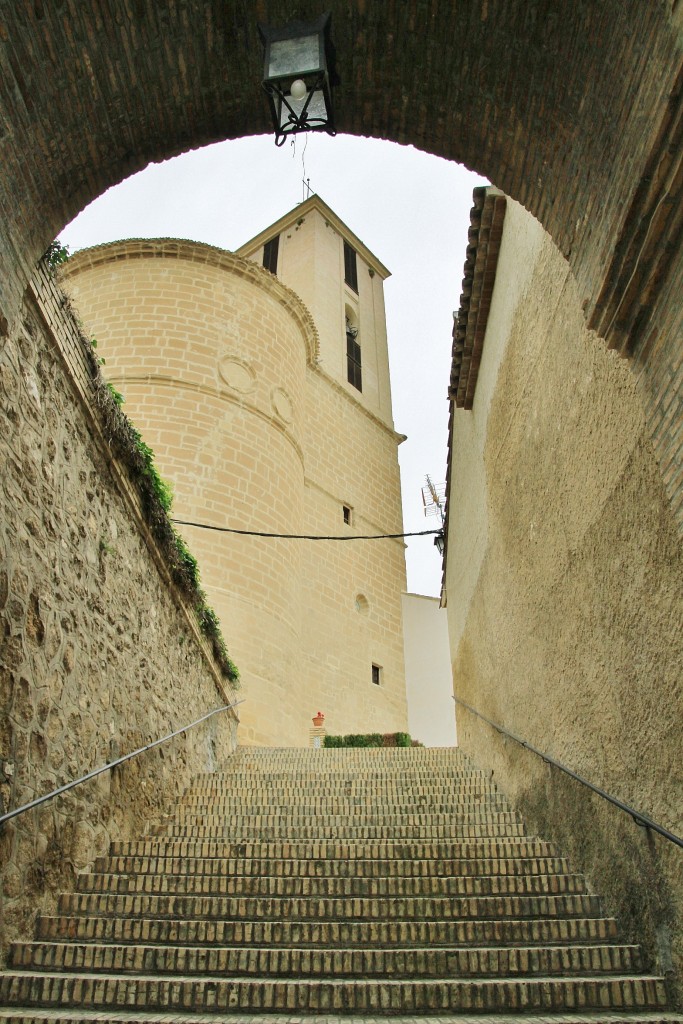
pixel 210 353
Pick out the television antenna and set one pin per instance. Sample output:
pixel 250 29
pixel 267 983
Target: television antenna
pixel 434 499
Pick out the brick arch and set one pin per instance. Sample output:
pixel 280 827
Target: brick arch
pixel 573 109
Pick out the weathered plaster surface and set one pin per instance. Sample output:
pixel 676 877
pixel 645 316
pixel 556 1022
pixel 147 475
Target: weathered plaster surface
pixel 98 656
pixel 566 611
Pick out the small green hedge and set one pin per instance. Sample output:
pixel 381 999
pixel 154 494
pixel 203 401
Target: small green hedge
pixel 371 739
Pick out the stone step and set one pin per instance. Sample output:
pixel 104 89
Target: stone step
pixel 338 849
pixel 341 830
pixel 342 804
pixel 354 933
pixel 359 882
pixel 363 779
pixel 328 909
pixel 27 1015
pixel 402 779
pixel 209 885
pixel 344 996
pixel 358 785
pixel 483 962
pixel 329 756
pixel 304 817
pixel 326 767
pixel 234 867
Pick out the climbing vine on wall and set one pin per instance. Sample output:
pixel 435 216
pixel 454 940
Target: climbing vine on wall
pixel 156 494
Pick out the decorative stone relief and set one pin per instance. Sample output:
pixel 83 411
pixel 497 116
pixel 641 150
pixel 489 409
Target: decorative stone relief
pixel 282 405
pixel 237 374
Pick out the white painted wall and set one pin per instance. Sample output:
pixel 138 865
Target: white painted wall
pixel 429 682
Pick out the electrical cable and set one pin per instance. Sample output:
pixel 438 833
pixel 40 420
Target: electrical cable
pixel 665 195
pixel 304 536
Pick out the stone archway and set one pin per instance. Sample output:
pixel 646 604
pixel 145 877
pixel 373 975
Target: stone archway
pixel 575 111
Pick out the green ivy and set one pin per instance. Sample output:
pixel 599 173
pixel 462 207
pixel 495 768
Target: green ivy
pixel 188 562
pixel 161 487
pixel 155 492
pixel 371 739
pixel 56 254
pixel 210 627
pixel 116 395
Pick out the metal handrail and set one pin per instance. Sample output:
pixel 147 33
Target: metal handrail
pixel 640 819
pixel 113 764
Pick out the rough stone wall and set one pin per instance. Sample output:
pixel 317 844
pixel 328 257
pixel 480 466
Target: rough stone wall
pixel 218 372
pixel 98 653
pixel 564 590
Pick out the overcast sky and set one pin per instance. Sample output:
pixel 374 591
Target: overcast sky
pixel 410 209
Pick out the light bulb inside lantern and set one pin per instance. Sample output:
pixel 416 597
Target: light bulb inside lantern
pixel 298 89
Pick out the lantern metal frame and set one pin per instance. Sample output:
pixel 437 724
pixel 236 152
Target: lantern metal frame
pixel 310 43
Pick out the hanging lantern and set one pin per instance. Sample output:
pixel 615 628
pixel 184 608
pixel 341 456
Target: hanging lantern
pixel 297 77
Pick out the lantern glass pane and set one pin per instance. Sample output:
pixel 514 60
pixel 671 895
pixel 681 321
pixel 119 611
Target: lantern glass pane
pixel 294 56
pixel 317 111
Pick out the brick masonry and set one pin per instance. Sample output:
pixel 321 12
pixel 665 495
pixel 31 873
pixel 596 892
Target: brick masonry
pixel 204 345
pixel 99 654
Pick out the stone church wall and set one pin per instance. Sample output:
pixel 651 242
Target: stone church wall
pixel 212 368
pixel 564 595
pixel 217 360
pixel 352 591
pixel 99 654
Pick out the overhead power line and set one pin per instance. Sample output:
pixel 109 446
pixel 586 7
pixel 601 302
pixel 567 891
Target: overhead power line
pixel 304 536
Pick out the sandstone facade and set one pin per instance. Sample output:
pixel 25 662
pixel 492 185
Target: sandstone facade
pixel 243 395
pixel 99 654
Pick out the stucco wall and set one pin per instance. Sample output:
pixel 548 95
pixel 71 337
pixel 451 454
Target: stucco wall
pixel 99 654
pixel 564 589
pixel 429 682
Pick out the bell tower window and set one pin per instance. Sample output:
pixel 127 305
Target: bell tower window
pixel 270 250
pixel 354 373
pixel 350 267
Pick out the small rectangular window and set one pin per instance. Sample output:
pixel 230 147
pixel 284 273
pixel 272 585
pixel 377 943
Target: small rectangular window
pixel 377 674
pixel 350 267
pixel 354 373
pixel 347 514
pixel 270 250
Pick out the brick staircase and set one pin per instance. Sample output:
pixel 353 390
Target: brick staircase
pixel 316 883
